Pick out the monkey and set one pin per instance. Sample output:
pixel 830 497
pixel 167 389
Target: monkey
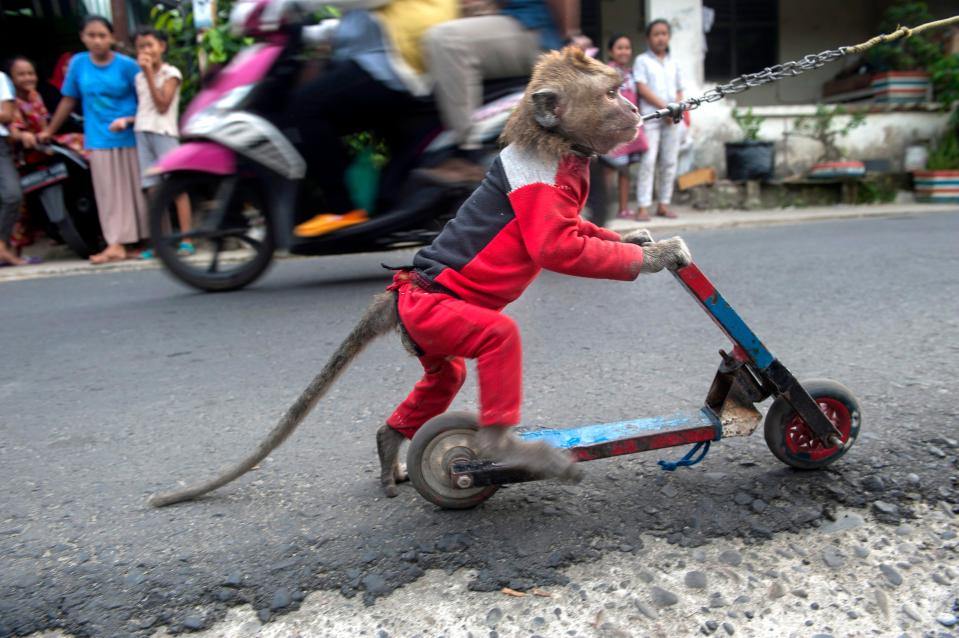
pixel 447 306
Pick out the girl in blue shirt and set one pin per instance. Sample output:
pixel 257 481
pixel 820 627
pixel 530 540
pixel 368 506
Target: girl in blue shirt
pixel 103 80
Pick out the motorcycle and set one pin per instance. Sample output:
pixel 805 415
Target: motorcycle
pixel 56 180
pixel 245 179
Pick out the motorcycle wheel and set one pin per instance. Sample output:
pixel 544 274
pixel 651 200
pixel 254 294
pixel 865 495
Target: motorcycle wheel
pixel 71 237
pixel 231 231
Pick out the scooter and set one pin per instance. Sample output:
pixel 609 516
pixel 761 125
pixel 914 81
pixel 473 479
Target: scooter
pixel 245 180
pixel 810 424
pixel 56 180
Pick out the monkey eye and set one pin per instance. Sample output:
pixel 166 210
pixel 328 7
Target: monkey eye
pixel 612 93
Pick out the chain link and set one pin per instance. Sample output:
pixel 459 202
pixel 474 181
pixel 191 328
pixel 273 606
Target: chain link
pixel 748 81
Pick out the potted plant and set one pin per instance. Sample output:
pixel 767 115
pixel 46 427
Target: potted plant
pixel 940 181
pixel 823 128
pixel 902 67
pixel 751 158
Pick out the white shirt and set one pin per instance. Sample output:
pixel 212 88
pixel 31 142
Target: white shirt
pixel 661 76
pixel 149 119
pixel 6 95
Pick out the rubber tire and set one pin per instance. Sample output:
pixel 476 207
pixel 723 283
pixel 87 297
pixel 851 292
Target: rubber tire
pixel 159 207
pixel 781 414
pixel 415 461
pixel 72 238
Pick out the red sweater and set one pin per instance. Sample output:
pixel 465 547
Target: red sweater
pixel 524 217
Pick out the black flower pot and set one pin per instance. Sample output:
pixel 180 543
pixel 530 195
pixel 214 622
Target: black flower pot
pixel 750 160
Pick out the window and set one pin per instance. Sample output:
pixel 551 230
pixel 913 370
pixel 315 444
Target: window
pixel 744 37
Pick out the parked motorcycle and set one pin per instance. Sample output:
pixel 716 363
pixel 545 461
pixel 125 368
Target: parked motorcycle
pixel 56 180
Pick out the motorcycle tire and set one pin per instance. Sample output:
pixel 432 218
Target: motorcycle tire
pixel 73 239
pixel 231 233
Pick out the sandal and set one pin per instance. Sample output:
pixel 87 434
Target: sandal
pixel 626 214
pixel 105 258
pixel 27 261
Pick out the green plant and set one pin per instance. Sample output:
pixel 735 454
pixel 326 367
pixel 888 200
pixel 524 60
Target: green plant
pixel 881 190
pixel 944 74
pixel 820 128
pixel 187 46
pixel 748 123
pixel 944 156
pixel 918 52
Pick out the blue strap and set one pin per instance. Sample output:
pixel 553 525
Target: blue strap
pixel 687 460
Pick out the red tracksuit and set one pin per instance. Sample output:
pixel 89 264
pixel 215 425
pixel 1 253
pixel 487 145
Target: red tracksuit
pixel 524 217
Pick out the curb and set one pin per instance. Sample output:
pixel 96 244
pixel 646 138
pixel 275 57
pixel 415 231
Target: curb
pixel 708 220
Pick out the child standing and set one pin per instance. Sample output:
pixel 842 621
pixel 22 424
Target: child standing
pixel 10 193
pixel 620 51
pixel 103 81
pixel 658 83
pixel 158 105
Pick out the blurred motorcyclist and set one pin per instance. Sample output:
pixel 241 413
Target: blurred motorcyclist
pixel 462 53
pixel 375 82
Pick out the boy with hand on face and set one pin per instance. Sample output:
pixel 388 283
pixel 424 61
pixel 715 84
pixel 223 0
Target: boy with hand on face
pixel 158 106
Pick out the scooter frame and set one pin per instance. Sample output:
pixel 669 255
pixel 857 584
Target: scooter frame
pixel 746 376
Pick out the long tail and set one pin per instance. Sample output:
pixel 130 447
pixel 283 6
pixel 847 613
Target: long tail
pixel 379 319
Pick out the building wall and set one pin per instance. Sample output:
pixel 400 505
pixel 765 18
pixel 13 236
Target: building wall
pixel 812 26
pixel 805 27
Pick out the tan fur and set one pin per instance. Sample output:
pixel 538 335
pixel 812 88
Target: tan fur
pixel 588 118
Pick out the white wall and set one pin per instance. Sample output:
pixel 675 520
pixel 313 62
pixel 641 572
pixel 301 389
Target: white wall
pixel 885 135
pixel 808 26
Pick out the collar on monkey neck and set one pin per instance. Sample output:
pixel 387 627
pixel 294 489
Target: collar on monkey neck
pixel 582 151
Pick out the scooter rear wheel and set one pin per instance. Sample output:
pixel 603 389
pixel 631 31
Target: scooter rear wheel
pixel 231 230
pixel 793 442
pixel 442 440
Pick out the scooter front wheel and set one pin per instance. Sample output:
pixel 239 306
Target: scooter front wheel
pixel 442 441
pixel 794 443
pixel 229 240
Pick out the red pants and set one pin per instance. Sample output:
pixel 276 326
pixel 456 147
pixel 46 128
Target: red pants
pixel 447 330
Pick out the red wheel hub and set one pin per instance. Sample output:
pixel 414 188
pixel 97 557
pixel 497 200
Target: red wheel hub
pixel 800 439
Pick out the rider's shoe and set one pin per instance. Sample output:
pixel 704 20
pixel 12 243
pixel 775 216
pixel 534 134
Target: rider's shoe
pixel 327 223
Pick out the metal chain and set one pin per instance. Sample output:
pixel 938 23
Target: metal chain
pixel 747 81
pixel 788 70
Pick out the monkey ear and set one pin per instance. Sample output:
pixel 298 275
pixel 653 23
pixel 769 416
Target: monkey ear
pixel 546 108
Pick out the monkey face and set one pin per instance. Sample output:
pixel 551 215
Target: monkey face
pixel 584 106
pixel 572 101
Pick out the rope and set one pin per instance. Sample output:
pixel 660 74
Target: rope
pixel 687 460
pixel 901 32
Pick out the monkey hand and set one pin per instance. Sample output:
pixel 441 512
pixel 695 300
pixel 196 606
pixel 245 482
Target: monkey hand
pixel 669 253
pixel 639 237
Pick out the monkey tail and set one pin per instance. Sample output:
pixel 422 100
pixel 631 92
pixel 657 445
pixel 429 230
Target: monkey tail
pixel 379 319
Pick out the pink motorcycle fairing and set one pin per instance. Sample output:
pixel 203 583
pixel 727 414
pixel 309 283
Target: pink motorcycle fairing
pixel 202 157
pixel 249 66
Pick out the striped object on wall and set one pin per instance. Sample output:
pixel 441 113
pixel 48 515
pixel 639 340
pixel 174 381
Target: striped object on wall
pixel 902 87
pixel 936 186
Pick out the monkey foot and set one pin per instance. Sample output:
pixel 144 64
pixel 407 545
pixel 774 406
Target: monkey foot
pixel 500 445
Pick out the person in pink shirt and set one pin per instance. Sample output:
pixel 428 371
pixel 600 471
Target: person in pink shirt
pixel 620 52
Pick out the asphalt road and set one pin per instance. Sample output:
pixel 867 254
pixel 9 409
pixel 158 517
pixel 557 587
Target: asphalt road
pixel 116 385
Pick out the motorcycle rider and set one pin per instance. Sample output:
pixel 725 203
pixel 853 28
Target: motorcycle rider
pixel 375 82
pixel 462 53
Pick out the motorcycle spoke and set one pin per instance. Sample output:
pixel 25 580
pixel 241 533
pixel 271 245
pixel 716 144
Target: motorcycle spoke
pixel 215 262
pixel 252 241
